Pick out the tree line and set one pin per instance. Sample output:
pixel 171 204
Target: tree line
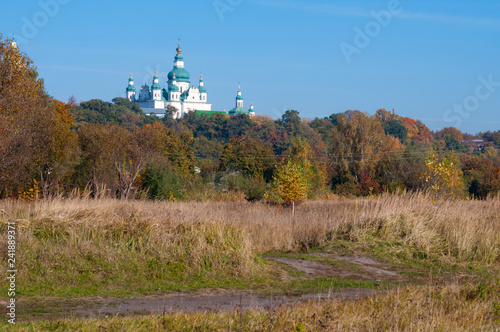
pixel 48 147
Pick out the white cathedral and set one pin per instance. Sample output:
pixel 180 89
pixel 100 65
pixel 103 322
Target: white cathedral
pixel 179 94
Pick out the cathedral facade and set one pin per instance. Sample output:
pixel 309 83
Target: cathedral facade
pixel 179 93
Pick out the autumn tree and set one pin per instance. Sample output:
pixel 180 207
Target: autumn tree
pixel 36 143
pixel 403 169
pixel 111 159
pixel 291 183
pixel 323 127
pixel 248 156
pixel 443 175
pixel 491 137
pixel 358 144
pixel 452 139
pixel 56 150
pixel 424 134
pixel 450 131
pixel 383 115
pixel 481 176
pixel 170 160
pixel 314 167
pixel 411 127
pixel 416 130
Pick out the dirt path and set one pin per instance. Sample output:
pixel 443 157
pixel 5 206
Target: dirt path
pixel 373 268
pixel 179 302
pixel 351 267
pixel 223 302
pixel 364 267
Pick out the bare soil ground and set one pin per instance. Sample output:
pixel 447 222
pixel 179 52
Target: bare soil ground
pixel 358 268
pixel 178 302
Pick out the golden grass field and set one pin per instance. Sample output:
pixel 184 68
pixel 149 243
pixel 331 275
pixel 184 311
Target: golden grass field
pixel 105 247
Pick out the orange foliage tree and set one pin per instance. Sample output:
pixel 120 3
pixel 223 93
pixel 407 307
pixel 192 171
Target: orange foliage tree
pixel 36 143
pixel 359 145
pixel 450 131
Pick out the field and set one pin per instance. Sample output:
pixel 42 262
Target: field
pixel 417 263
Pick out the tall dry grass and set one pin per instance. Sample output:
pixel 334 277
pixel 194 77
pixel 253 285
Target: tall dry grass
pixel 416 308
pixel 94 242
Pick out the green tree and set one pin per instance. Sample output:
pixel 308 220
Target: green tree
pixel 396 128
pixel 163 182
pixel 121 112
pixel 291 122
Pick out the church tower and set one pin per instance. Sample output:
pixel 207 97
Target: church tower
pixel 130 91
pixel 239 105
pixel 239 98
pixel 203 91
pixel 251 110
pixel 181 74
pixel 173 90
pixel 156 88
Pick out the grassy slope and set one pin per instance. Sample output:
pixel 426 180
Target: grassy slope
pixel 73 248
pixel 425 308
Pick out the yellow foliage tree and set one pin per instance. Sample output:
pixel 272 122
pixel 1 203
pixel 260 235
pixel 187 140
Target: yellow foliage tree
pixel 443 175
pixel 292 183
pixel 314 171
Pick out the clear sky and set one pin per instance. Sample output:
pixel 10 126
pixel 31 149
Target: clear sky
pixel 437 61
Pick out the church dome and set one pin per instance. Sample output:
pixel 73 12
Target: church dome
pixel 238 110
pixel 174 88
pixel 181 75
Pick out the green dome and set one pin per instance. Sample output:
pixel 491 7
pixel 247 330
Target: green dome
pixel 181 75
pixel 173 88
pixel 131 88
pixel 238 110
pixel 202 89
pixel 155 86
pixel 239 98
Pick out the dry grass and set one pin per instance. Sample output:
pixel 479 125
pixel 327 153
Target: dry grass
pixel 424 308
pixel 85 246
pixel 95 243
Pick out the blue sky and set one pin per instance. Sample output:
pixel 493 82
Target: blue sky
pixel 434 61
